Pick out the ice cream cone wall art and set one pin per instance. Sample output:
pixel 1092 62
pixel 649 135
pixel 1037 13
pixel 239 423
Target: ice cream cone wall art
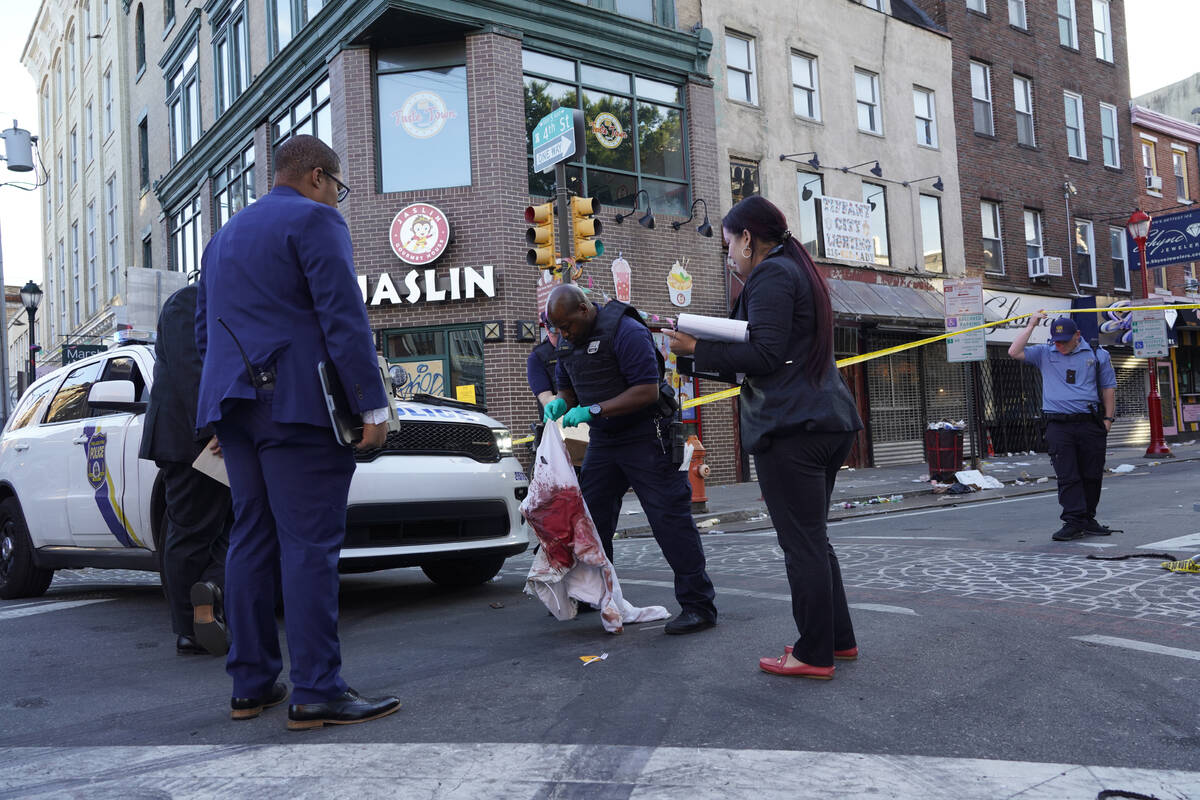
pixel 679 284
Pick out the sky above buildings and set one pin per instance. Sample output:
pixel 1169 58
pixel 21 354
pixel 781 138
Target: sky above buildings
pixel 1161 41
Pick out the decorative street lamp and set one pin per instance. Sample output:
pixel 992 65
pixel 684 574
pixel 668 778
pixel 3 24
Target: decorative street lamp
pixel 31 296
pixel 1139 228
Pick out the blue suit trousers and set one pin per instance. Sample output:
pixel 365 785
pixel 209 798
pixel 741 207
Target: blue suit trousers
pixel 290 483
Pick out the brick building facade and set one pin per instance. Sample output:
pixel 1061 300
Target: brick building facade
pixel 455 137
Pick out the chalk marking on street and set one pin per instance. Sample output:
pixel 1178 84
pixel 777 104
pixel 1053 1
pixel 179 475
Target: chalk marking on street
pixel 1145 647
pixel 14 613
pixel 787 598
pixel 910 538
pixel 962 507
pixel 1094 544
pixel 456 771
pixel 1191 540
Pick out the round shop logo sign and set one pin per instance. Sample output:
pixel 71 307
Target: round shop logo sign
pixel 423 115
pixel 419 233
pixel 608 131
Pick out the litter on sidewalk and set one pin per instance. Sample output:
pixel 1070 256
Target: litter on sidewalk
pixel 977 480
pixel 1123 468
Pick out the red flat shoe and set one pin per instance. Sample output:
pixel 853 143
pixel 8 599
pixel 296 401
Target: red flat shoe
pixel 850 654
pixel 776 666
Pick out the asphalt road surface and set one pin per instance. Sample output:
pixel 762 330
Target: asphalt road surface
pixel 995 663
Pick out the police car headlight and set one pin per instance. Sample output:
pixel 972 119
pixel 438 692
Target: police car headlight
pixel 503 441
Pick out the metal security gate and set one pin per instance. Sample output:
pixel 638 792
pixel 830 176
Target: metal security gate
pixel 1132 427
pixel 1010 404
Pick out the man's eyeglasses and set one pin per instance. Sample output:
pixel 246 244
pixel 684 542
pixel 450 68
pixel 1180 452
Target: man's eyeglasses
pixel 343 189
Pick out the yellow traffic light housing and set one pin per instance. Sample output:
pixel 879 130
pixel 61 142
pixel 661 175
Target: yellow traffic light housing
pixel 585 228
pixel 540 236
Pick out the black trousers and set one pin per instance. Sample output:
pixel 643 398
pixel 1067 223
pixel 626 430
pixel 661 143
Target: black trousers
pixel 1077 453
pixel 197 537
pixel 797 475
pixel 609 469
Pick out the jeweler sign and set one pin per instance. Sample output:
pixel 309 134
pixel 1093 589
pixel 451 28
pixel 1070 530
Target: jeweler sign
pixel 1173 239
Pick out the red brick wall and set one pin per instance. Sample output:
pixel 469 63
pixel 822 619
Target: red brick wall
pixel 997 168
pixel 1167 200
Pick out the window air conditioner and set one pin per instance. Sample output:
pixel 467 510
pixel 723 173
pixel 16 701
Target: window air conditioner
pixel 1154 182
pixel 1045 267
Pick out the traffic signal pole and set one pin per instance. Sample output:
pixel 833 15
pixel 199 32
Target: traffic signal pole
pixel 562 205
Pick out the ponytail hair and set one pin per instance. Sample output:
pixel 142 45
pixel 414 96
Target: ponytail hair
pixel 766 223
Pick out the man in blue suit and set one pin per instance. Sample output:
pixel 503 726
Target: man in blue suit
pixel 278 281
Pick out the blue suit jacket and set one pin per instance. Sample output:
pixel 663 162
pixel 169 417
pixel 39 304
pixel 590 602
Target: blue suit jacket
pixel 280 274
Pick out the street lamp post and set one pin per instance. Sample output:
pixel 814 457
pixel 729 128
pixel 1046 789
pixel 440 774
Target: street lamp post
pixel 31 297
pixel 1139 228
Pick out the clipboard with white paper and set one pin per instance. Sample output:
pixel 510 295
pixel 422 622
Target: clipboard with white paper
pixel 211 464
pixel 347 426
pixel 713 329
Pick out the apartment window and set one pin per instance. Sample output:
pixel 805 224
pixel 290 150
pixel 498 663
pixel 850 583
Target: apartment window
pixel 640 141
pixel 811 189
pixel 233 186
pixel 933 259
pixel 168 13
pixel 105 5
pixel 1073 111
pixel 47 111
pixel 1067 35
pixel 412 157
pixel 59 186
pixel 76 294
pixel 69 47
pixel 74 142
pixel 1159 280
pixel 877 5
pixel 993 248
pixel 1179 163
pixel 981 98
pixel 108 101
pixel 87 30
pixel 739 68
pixel 1016 14
pixel 1023 104
pixel 231 58
pixel 1085 250
pixel 875 196
pixel 1102 23
pixel 143 155
pixel 114 233
pixel 1108 135
pixel 58 89
pixel 743 179
pixel 309 114
pixel 91 258
pixel 183 105
pixel 866 93
pixel 806 99
pixel 1033 234
pixel 289 17
pixel 923 109
pixel 139 36
pixel 62 287
pixel 1120 258
pixel 148 252
pixel 89 136
pixel 1149 165
pixel 183 237
pixel 977 5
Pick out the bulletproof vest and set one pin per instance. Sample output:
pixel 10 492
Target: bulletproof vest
pixel 593 367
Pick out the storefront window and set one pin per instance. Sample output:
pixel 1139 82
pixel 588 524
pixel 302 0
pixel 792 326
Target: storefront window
pixel 633 127
pixel 436 360
pixel 423 126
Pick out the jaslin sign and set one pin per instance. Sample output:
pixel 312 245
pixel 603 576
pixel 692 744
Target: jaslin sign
pixel 419 234
pixel 1173 239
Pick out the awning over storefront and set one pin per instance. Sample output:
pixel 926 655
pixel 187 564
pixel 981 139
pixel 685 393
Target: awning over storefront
pixel 877 301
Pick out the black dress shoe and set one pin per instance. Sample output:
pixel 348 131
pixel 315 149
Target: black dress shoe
pixel 688 622
pixel 251 707
pixel 188 646
pixel 347 709
pixel 208 618
pixel 1066 533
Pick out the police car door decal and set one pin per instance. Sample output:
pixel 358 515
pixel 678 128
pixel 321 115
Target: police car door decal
pixel 106 492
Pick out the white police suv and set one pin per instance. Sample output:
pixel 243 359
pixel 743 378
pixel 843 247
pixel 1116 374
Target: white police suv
pixel 442 494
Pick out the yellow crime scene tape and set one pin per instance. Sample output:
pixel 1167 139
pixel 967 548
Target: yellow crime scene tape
pixel 846 362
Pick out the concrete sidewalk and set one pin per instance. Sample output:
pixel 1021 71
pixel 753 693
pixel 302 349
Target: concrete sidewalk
pixel 739 506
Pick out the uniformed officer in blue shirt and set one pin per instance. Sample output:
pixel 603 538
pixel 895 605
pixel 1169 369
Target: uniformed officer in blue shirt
pixel 608 376
pixel 1076 382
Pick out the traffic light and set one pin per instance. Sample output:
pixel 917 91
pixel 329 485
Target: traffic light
pixel 540 236
pixel 585 228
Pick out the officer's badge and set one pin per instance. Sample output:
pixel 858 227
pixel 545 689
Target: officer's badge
pixel 593 346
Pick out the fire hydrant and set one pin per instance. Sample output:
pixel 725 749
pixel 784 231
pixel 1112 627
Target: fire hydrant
pixel 697 472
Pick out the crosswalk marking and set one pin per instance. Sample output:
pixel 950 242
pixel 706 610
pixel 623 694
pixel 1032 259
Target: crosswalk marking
pixel 1145 647
pixel 451 771
pixel 43 608
pixel 772 596
pixel 1192 540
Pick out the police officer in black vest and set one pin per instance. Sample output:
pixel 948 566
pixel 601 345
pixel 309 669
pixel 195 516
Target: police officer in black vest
pixel 541 364
pixel 608 376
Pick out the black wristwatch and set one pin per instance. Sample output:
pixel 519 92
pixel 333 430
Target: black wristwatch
pixel 1110 419
pixel 594 408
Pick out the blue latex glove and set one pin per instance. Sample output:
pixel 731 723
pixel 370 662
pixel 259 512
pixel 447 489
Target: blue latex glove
pixel 554 409
pixel 577 415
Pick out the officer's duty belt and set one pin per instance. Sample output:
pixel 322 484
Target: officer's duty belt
pixel 1085 417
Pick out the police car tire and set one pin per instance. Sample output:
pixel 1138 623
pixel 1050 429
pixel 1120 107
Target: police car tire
pixel 459 573
pixel 23 578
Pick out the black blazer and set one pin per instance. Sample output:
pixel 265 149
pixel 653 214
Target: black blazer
pixel 170 428
pixel 777 397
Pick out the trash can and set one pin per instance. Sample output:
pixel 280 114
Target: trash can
pixel 943 453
